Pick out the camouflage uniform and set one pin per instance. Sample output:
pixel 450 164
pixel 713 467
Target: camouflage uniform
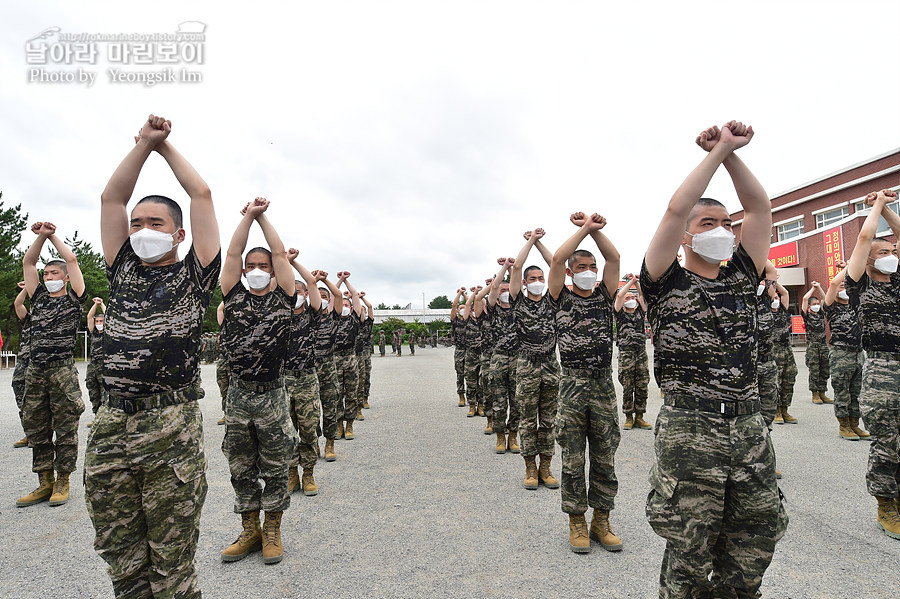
pixel 302 385
pixel 767 369
pixel 144 468
pixel 877 306
pixel 412 343
pixel 506 409
pixel 223 370
pixel 381 343
pixel 260 439
pixel 713 493
pixel 458 330
pixel 816 350
pixel 784 357
pixel 364 359
pixel 347 365
pixel 634 375
pixel 537 374
pixel 845 359
pixel 93 380
pixel 52 399
pixel 22 358
pixel 474 342
pixel 326 373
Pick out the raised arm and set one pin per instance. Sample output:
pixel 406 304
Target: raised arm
pixel 546 254
pixel 835 286
pixel 315 300
pixel 97 302
pixel 234 257
pixel 454 308
pixel 783 295
pixel 480 292
pixel 470 302
pixel 587 225
pixel 335 291
pixel 220 313
pixel 76 279
pixel 815 289
pixel 284 274
pixel 30 259
pixel 858 259
pixel 620 296
pixel 756 230
pixel 369 310
pixel 494 293
pixel 515 275
pixel 611 258
pixel 19 302
pixel 354 294
pixel 893 220
pixel 641 301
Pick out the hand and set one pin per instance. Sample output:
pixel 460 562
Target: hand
pixel 320 275
pixel 155 130
pixel 709 138
pixel 841 264
pixel 343 275
pixel 255 208
pixel 97 300
pixel 501 261
pixel 43 228
pixel 347 294
pixel 292 254
pixel 595 223
pixel 527 235
pixel 362 294
pixel 473 289
pixel 629 277
pixel 477 289
pixel 736 134
pixel 510 261
pixel 21 284
pixel 538 233
pixel 578 219
pixel 487 282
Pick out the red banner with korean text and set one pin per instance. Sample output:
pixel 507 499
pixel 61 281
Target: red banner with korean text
pixel 785 255
pixel 834 251
pixel 798 327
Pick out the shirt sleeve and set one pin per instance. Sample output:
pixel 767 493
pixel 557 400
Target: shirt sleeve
pixel 654 290
pixel 207 277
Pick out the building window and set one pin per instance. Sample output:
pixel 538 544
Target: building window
pixel 883 227
pixel 825 219
pixel 790 230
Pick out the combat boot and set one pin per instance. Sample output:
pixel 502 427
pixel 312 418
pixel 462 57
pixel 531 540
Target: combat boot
pixel 629 421
pixel 249 540
pixel 531 474
pixel 640 422
pixel 42 493
pixel 854 425
pixel 602 532
pixel 788 419
pixel 471 412
pixel 579 542
pixel 366 405
pixel 462 400
pixel 845 431
pixel 340 431
pixel 23 442
pixel 359 415
pixel 329 450
pixel 501 443
pixel 489 428
pixel 778 418
pixel 348 431
pixel 310 487
pixel 293 479
pixel 514 443
pixel 825 398
pixel 816 398
pixel 481 410
pixel 60 489
pixel 888 517
pixel 544 475
pixel 272 550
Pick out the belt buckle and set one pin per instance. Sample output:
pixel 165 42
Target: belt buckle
pixel 722 407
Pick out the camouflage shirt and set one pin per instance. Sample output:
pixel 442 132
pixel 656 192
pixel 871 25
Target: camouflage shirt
pixel 584 328
pixel 877 308
pixel 301 345
pixel 474 337
pixel 458 328
pixel 503 328
pixel 151 337
pixel 535 324
pixel 54 323
pixel 765 323
pixel 412 339
pixel 705 330
pixel 630 330
pixel 815 325
pixel 844 326
pixel 24 340
pixel 346 332
pixel 325 332
pixel 364 339
pixel 258 332
pixel 783 326
pixel 96 346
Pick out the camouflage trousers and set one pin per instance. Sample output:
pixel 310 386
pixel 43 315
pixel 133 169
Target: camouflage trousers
pixel 846 379
pixel 787 373
pixel 302 388
pixel 767 382
pixel 506 409
pixel 817 362
pixel 473 376
pixel 587 416
pixel 537 391
pixel 634 376
pixel 18 386
pixel 412 349
pixel 52 404
pixel 222 377
pixel 145 484
pixel 348 380
pixel 381 347
pixel 484 381
pixel 92 381
pixel 259 443
pixel 328 396
pixel 880 406
pixel 459 363
pixel 715 501
pixel 365 377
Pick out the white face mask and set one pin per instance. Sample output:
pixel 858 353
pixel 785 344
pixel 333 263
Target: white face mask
pixel 99 326
pixel 714 246
pixel 887 264
pixel 504 297
pixel 585 280
pixel 631 304
pixel 535 288
pixel 843 294
pixel 325 304
pixel 258 279
pixel 345 311
pixel 150 246
pixel 761 288
pixel 54 286
pixel 776 304
pixel 300 301
pixel 815 308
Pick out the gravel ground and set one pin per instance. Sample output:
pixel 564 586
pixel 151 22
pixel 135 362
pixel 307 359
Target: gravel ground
pixel 420 506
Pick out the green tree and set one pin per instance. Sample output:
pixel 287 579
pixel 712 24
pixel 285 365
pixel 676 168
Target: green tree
pixel 382 306
pixel 396 307
pixel 12 225
pixel 210 320
pixel 440 302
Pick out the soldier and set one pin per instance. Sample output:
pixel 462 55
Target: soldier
pixel 223 370
pixel 816 347
pixel 784 355
pixel 474 343
pixel 326 371
pixel 301 381
pixel 434 338
pixel 93 380
pixel 766 368
pixel 537 369
pixel 845 357
pixel 488 339
pixel 52 401
pixel 458 331
pixel 258 442
pixel 507 412
pixel 18 378
pixel 412 343
pixel 873 285
pixel 631 337
pixel 345 362
pixel 713 494
pixel 145 480
pixel 400 343
pixel 381 343
pixel 364 355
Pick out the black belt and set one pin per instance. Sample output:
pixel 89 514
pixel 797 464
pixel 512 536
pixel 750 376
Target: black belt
pixel 55 363
pixel 345 352
pixel 589 373
pixel 537 358
pixel 725 409
pixel 257 386
pixel 883 355
pixel 765 357
pixel 299 373
pixel 157 400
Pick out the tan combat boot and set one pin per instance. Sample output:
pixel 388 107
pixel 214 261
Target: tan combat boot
pixel 640 422
pixel 629 421
pixel 888 517
pixel 23 442
pixel 348 431
pixel 60 489
pixel 329 450
pixel 310 487
pixel 778 417
pixel 579 542
pixel 462 400
pixel 544 475
pixel 602 532
pixel 514 443
pixel 293 479
pixel 249 540
pixel 366 405
pixel 340 431
pixel 272 550
pixel 481 410
pixel 42 493
pixel 471 412
pixel 825 398
pixel 816 398
pixel 531 474
pixel 501 443
pixel 845 431
pixel 359 415
pixel 788 419
pixel 489 428
pixel 854 425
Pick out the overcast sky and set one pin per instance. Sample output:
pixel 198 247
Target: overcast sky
pixel 412 143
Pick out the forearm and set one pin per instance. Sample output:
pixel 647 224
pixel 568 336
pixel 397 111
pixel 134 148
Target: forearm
pixel 64 251
pixel 121 184
pixel 187 176
pixel 239 239
pixel 546 254
pixel 893 220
